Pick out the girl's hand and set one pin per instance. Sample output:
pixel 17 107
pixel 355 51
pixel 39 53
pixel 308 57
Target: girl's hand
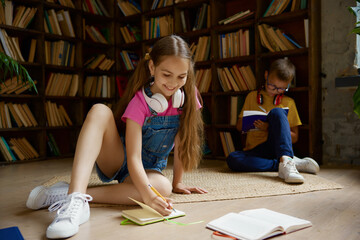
pixel 157 203
pixel 263 126
pixel 181 188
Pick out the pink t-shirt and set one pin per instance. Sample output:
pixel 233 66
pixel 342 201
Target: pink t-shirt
pixel 137 109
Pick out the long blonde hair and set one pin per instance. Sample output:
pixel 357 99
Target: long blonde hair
pixel 191 130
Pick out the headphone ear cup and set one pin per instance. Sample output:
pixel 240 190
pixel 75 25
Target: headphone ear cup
pixel 158 103
pixel 178 99
pixel 277 99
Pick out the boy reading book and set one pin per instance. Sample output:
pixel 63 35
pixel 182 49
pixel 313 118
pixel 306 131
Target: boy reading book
pixel 270 148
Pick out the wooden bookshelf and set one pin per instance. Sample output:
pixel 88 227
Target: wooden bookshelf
pixel 306 92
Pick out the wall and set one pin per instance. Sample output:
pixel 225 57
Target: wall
pixel 341 126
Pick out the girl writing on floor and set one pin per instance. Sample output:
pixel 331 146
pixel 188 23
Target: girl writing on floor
pixel 159 110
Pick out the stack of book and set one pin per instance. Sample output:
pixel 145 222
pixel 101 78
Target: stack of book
pixel 227 143
pixel 275 39
pixel 237 78
pixel 60 84
pixel 58 23
pixel 56 116
pixel 97 86
pixel 161 3
pixel 21 17
pixel 159 27
pixel 279 6
pixel 131 33
pixel 100 61
pixel 234 44
pixel 15 86
pixel 129 59
pixel 237 17
pixel 16 115
pixel 203 79
pixel 66 3
pixel 129 7
pixel 17 149
pixel 95 7
pixel 61 53
pixel 10 45
pixel 96 35
pixel 202 49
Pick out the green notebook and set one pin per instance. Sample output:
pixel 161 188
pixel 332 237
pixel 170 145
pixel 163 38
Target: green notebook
pixel 146 215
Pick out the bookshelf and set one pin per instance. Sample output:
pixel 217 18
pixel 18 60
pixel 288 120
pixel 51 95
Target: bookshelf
pixel 217 102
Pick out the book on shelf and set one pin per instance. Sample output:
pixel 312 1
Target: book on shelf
pixel 130 33
pixel 65 23
pixel 237 17
pixel 95 34
pixel 56 116
pixel 257 224
pixel 201 17
pixel 159 27
pixel 227 143
pixel 203 79
pixel 9 11
pixel 129 7
pixel 277 7
pixel 60 84
pixel 52 145
pixel 23 16
pixel 146 214
pixel 202 51
pixel 66 3
pixel 234 44
pixel 22 148
pixel 97 86
pixel 236 104
pixel 250 116
pixel 6 150
pixel 95 7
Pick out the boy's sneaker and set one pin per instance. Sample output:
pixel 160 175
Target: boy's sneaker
pixel 71 212
pixel 41 196
pixel 307 165
pixel 288 172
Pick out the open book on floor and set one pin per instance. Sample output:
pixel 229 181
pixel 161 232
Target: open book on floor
pixel 250 116
pixel 147 215
pixel 257 224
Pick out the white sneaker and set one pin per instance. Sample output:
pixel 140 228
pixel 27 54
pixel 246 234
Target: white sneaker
pixel 41 197
pixel 288 172
pixel 71 212
pixel 307 165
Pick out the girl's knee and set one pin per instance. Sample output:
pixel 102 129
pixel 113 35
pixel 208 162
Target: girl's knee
pixel 101 112
pixel 163 186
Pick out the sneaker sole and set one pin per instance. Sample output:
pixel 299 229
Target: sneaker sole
pixel 31 203
pixel 316 165
pixel 293 180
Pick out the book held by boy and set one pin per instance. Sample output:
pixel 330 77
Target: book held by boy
pixel 147 215
pixel 257 224
pixel 250 116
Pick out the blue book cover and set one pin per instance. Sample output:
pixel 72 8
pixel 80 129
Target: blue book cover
pixel 11 233
pixel 292 41
pixel 249 117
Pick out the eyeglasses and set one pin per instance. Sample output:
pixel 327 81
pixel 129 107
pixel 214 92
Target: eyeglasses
pixel 273 87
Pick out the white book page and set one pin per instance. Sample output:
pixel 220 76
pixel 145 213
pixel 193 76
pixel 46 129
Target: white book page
pixel 242 226
pixel 253 112
pixel 289 223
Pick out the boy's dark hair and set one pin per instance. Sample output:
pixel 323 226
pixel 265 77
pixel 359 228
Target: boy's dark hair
pixel 283 69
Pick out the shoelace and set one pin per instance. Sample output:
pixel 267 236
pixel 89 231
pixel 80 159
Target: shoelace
pixel 68 208
pixel 292 167
pixel 56 195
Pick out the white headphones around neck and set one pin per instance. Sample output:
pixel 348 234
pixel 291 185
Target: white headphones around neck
pixel 159 104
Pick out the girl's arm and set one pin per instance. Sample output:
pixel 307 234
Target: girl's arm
pixel 178 171
pixel 294 131
pixel 136 168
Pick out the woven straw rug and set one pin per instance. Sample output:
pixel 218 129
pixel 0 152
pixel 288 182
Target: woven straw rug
pixel 223 184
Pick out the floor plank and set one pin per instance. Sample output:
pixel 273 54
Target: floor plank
pixel 334 213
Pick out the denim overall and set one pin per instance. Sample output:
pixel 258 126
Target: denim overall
pixel 158 136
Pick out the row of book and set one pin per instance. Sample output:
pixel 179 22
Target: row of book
pixel 66 3
pixel 58 23
pixel 201 20
pixel 97 35
pixel 203 79
pixel 159 27
pixel 161 3
pixel 201 50
pixel 129 7
pixel 227 143
pixel 11 47
pixel 56 116
pixel 275 39
pixel 236 78
pixel 99 61
pixel 236 104
pixel 20 17
pixel 16 115
pixel 61 53
pixel 129 59
pixel 17 149
pixel 60 84
pixel 234 44
pixel 14 85
pixel 279 6
pixel 95 7
pixel 97 86
pixel 242 15
pixel 131 33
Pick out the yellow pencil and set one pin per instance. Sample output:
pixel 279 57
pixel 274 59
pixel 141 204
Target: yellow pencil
pixel 157 193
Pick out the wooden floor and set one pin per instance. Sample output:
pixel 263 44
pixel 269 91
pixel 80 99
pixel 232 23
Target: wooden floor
pixel 335 214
